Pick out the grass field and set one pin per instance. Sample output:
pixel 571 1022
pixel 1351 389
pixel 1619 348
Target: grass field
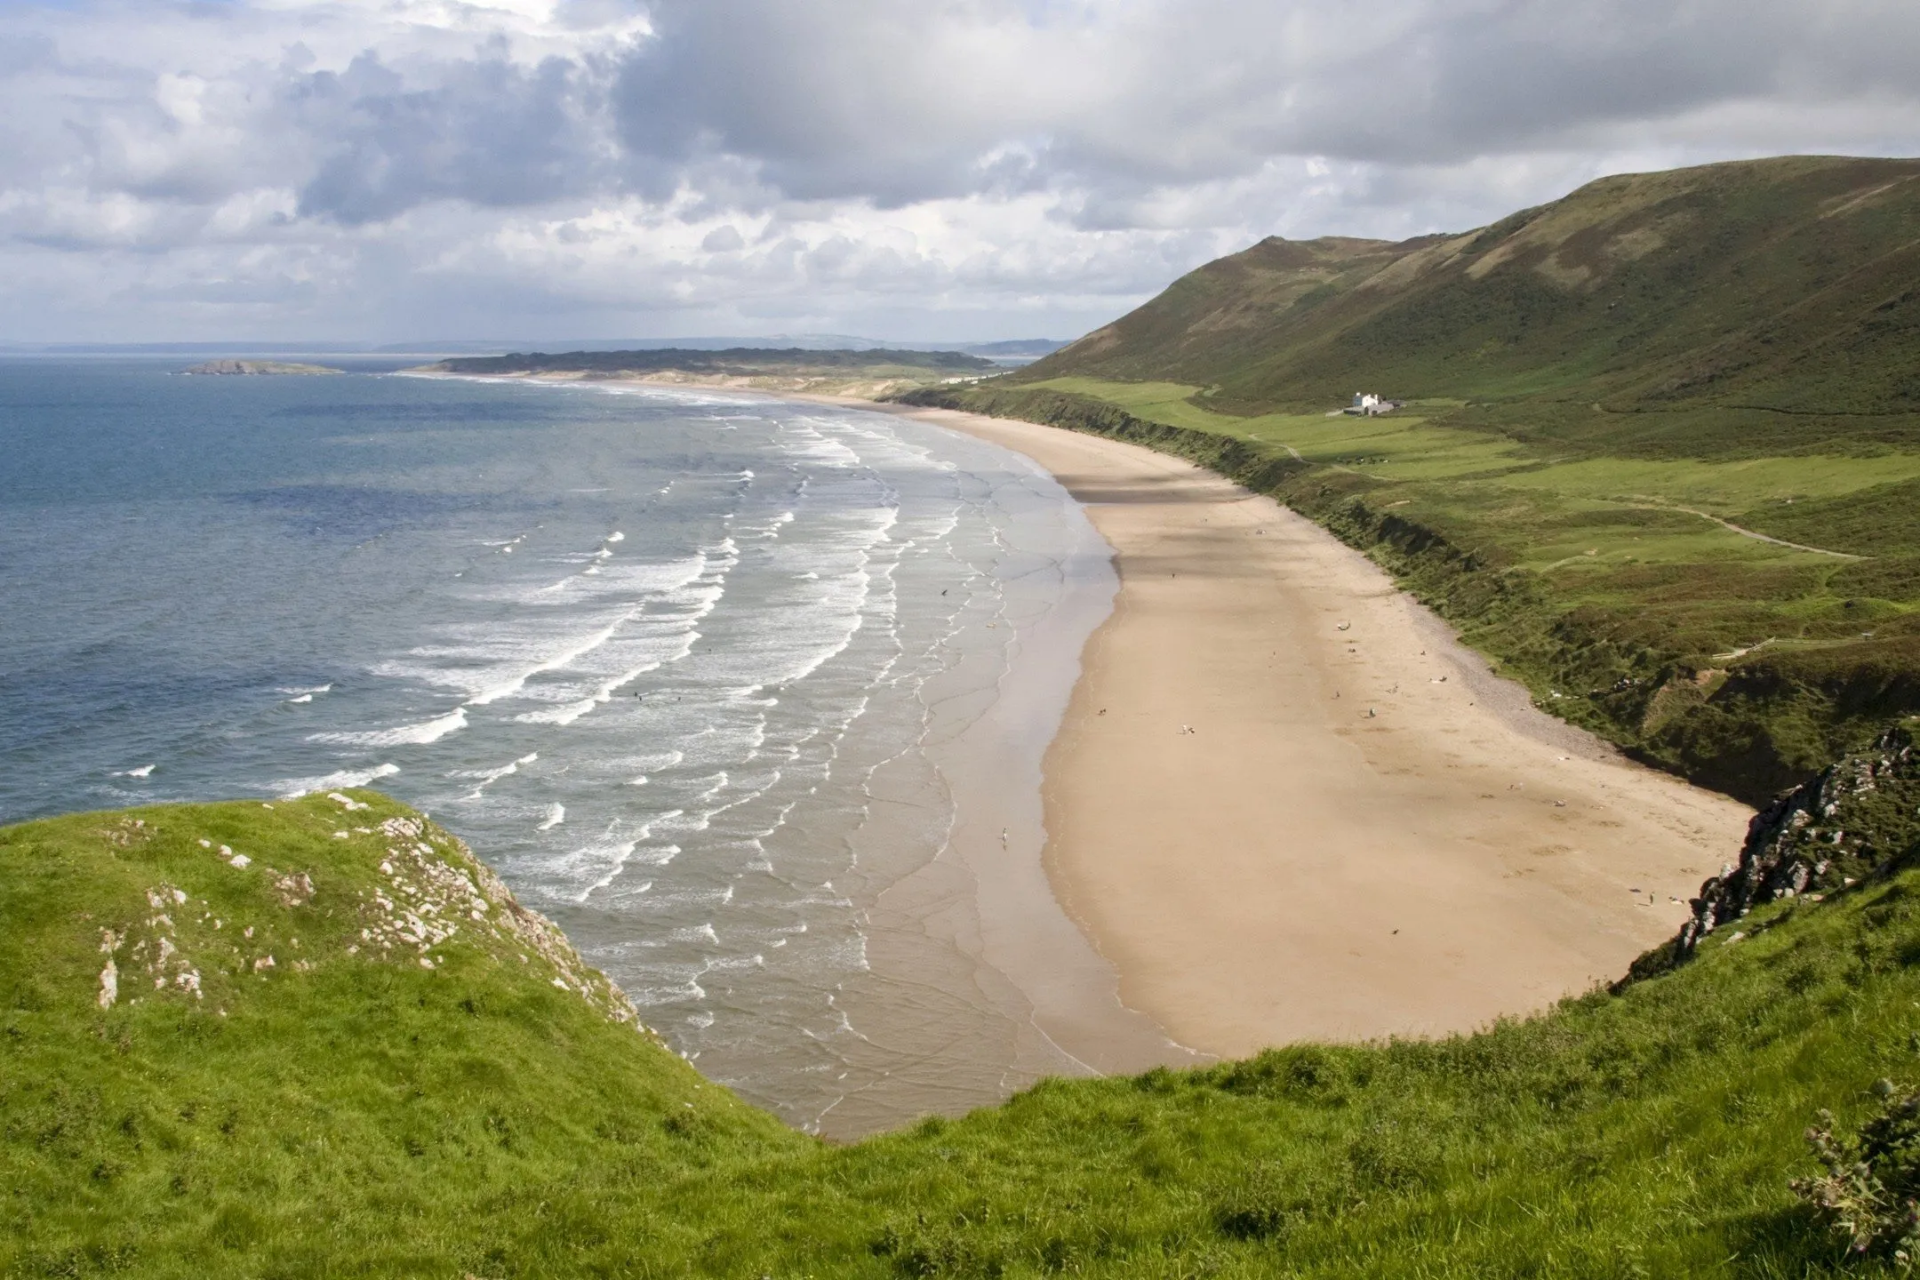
pixel 351 1112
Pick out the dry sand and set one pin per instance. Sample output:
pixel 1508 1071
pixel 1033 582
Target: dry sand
pixel 1286 805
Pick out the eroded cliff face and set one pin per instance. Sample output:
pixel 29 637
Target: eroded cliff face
pixel 1858 819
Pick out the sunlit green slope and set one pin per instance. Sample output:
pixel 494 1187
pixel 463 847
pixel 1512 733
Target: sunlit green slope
pixel 348 1110
pixel 1763 291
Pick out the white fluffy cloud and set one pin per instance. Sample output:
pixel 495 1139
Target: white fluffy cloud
pixel 393 169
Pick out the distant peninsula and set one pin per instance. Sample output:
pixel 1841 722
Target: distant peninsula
pixel 869 374
pixel 256 368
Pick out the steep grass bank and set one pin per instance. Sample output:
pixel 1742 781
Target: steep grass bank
pixel 1753 307
pixel 1627 594
pixel 347 1110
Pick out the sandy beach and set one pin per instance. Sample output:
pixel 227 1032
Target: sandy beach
pixel 1286 805
pixel 1283 803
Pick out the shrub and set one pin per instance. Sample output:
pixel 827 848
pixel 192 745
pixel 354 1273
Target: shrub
pixel 1869 1194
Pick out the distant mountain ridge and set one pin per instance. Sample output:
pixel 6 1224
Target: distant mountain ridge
pixel 734 360
pixel 1782 286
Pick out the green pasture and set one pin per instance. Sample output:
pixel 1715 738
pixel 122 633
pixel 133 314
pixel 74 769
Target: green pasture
pixel 1571 519
pixel 1614 584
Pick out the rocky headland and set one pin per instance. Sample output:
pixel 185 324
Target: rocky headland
pixel 256 368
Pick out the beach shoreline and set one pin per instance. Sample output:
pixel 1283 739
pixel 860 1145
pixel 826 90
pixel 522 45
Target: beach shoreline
pixel 1284 803
pixel 1289 805
pixel 974 980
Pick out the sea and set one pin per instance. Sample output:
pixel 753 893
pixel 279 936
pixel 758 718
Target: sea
pixel 688 668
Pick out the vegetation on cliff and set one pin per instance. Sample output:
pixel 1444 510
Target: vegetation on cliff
pixel 275 1083
pixel 1662 455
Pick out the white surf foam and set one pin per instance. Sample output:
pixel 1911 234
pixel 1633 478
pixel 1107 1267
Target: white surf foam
pixel 293 788
pixel 556 814
pixel 488 777
pixel 405 735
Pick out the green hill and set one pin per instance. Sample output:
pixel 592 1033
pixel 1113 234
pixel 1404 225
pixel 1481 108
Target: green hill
pixel 315 1040
pixel 1758 291
pixel 1660 456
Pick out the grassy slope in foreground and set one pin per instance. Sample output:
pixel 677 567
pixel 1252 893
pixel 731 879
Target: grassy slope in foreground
pixel 1609 390
pixel 348 1110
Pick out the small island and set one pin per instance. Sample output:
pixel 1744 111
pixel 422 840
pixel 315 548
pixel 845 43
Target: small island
pixel 256 368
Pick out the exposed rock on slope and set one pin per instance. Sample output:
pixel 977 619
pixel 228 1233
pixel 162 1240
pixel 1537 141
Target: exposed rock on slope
pixel 1858 818
pixel 224 917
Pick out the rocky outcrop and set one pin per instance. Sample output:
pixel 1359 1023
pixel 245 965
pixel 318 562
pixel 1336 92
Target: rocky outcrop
pixel 1858 818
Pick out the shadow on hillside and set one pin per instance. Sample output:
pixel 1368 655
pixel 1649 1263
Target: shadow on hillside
pixel 1790 1241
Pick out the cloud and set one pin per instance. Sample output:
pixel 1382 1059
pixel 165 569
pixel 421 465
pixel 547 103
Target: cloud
pixel 959 167
pixel 485 131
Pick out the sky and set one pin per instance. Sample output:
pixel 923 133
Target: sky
pixel 923 170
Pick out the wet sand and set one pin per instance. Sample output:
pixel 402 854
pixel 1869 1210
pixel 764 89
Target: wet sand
pixel 979 983
pixel 1287 805
pixel 972 981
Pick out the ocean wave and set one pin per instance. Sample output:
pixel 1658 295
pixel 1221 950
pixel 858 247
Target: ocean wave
pixel 556 814
pixel 405 735
pixel 699 581
pixel 572 652
pixel 561 715
pixel 601 695
pixel 488 777
pixel 602 860
pixel 293 788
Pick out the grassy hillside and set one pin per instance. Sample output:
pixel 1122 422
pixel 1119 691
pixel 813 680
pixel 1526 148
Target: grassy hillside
pixel 1738 292
pixel 347 1110
pixel 1661 456
pixel 236 1042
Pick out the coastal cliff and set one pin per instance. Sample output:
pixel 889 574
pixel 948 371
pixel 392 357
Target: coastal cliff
pixel 1858 820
